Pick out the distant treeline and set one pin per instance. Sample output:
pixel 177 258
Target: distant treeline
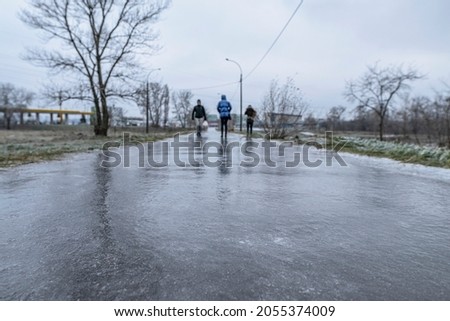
pixel 419 120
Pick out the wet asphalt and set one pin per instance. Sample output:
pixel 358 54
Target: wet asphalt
pixel 207 222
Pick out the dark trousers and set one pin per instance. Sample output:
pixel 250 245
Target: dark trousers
pixel 224 124
pixel 249 127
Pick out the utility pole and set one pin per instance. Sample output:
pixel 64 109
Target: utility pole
pixel 147 105
pixel 240 83
pixel 241 102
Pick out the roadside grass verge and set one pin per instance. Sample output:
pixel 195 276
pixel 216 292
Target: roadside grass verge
pixel 406 153
pixel 25 147
pixel 403 152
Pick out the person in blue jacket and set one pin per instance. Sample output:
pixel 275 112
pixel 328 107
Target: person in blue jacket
pixel 224 109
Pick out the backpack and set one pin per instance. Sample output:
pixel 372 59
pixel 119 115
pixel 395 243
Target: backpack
pixel 251 113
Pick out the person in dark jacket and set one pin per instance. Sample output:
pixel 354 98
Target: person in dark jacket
pixel 199 115
pixel 224 109
pixel 251 115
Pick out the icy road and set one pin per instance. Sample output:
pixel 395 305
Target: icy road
pixel 218 224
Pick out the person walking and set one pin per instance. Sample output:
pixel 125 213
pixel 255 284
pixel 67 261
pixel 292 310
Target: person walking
pixel 224 109
pixel 251 115
pixel 199 115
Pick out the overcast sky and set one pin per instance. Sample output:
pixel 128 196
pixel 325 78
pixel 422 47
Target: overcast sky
pixel 327 43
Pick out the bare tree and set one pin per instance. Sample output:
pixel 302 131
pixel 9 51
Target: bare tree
pixel 154 96
pixel 11 98
pixel 334 116
pixel 414 117
pixel 101 39
pixel 430 119
pixel 310 122
pixel 378 88
pixel 442 119
pixel 181 101
pixel 445 105
pixel 116 116
pixel 59 93
pixel 283 108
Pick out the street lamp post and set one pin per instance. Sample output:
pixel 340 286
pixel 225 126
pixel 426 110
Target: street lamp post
pixel 147 103
pixel 240 82
pixel 147 99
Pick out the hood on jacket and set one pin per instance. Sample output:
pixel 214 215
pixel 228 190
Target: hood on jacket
pixel 224 97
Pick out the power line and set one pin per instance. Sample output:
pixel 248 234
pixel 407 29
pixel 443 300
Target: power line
pixel 276 39
pixel 215 86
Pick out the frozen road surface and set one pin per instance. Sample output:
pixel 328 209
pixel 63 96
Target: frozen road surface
pixel 224 227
